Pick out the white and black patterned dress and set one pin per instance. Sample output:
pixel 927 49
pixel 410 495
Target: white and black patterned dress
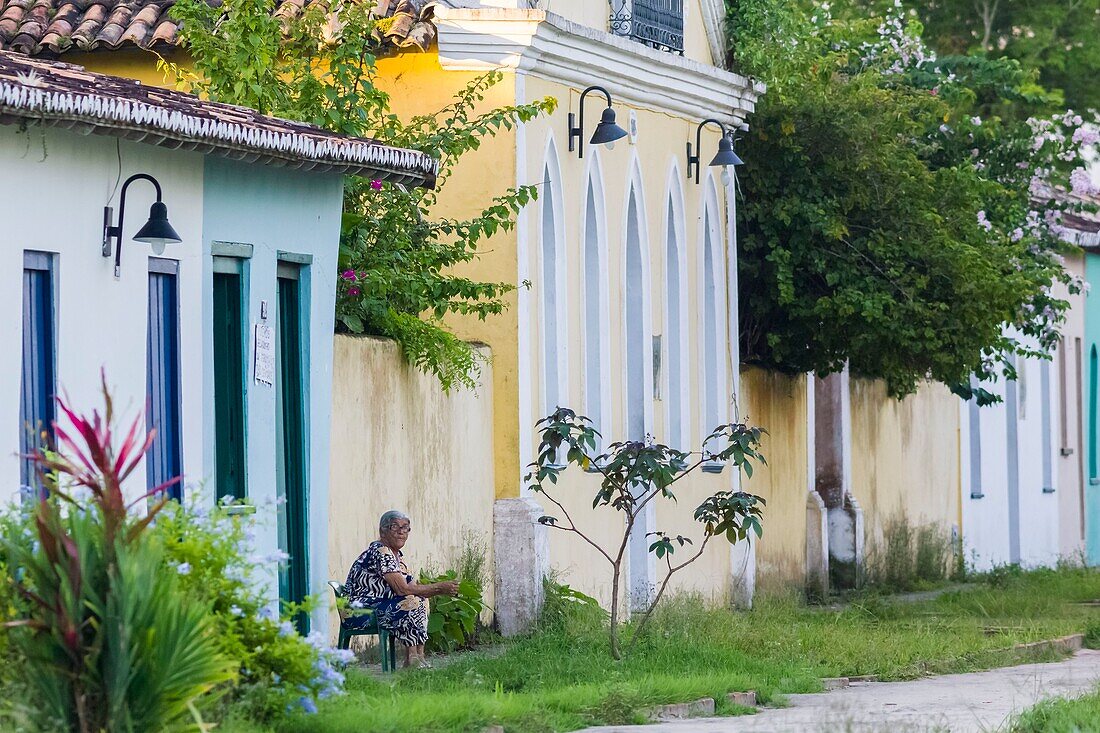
pixel 406 617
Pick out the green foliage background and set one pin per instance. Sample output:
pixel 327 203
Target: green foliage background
pixel 883 217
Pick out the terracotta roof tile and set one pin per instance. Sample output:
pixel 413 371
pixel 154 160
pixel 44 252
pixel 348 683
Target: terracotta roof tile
pixel 54 94
pixel 56 26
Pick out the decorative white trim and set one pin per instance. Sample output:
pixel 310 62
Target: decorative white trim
pixel 593 180
pixel 184 121
pixel 551 47
pixel 714 19
pixel 681 349
pixel 713 240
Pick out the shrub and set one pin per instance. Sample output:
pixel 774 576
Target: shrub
pixel 565 607
pixel 211 552
pixel 455 622
pixel 109 641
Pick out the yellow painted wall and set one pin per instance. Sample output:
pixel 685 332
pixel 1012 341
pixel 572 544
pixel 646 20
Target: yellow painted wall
pixel 777 403
pixel 905 456
pixel 418 85
pixel 399 442
pixel 129 64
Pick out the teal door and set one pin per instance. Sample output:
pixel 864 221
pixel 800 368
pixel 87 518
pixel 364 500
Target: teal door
pixel 292 465
pixel 229 378
pixel 1089 409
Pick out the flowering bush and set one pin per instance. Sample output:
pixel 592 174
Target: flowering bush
pixel 279 670
pixel 107 641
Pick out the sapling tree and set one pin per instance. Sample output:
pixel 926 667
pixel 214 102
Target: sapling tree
pixel 634 474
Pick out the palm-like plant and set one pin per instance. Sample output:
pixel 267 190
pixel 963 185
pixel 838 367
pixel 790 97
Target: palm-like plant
pixel 112 642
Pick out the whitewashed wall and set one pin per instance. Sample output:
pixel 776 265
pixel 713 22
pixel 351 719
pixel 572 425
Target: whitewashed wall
pixel 1014 520
pixel 54 185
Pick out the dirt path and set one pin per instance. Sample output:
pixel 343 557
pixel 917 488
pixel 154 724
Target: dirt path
pixel 979 701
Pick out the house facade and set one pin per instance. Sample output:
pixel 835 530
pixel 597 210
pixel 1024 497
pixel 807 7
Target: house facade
pixel 224 339
pixel 630 317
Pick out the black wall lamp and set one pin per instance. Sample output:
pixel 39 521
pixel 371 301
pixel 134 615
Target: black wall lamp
pixel 156 232
pixel 607 131
pixel 723 158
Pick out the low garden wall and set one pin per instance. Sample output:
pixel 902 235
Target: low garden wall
pixel 400 442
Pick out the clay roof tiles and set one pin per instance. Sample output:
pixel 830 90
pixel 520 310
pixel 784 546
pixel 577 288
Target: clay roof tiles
pixel 51 27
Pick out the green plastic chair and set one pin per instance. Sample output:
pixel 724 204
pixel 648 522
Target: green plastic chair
pixel 386 642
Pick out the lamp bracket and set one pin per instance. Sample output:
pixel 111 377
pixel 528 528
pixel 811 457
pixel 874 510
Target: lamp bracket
pixel 699 146
pixel 109 231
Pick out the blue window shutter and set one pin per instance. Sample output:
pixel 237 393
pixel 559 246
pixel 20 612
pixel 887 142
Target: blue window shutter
pixel 164 460
pixel 38 384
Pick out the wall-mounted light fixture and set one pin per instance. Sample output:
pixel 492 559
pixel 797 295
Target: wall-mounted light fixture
pixel 156 232
pixel 724 158
pixel 607 131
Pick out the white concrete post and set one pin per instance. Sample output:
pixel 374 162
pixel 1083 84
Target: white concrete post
pixel 521 555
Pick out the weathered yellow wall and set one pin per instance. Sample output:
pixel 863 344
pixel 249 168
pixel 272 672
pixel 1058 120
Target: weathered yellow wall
pixel 399 442
pixel 777 403
pixel 418 85
pixel 905 456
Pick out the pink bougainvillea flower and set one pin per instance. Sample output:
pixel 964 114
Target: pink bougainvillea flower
pixel 376 185
pixel 354 291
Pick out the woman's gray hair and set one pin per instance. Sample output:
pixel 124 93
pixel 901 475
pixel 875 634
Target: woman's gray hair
pixel 390 517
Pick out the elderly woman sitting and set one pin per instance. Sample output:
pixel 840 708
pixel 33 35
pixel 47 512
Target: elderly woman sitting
pixel 380 580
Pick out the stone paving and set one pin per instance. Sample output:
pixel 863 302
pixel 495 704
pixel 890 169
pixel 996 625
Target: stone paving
pixel 959 703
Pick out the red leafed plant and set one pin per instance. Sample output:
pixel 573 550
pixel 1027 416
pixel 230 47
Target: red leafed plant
pixel 112 642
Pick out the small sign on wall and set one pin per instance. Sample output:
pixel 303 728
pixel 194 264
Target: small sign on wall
pixel 263 363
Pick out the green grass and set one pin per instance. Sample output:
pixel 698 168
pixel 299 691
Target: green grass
pixel 1081 715
pixel 563 679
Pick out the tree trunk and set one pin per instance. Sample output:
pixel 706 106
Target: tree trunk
pixel 616 651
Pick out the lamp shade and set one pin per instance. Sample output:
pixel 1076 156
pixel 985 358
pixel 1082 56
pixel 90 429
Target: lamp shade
pixel 725 155
pixel 607 131
pixel 157 231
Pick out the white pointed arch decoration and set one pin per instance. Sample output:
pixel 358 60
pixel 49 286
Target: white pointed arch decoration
pixel 596 311
pixel 675 346
pixel 552 287
pixel 713 331
pixel 637 349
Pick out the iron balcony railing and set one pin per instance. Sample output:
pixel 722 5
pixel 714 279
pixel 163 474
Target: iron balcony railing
pixel 656 23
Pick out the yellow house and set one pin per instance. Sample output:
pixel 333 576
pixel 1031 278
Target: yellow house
pixel 630 316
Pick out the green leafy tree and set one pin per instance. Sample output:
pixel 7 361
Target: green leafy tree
pixel 397 261
pixel 634 474
pixel 892 218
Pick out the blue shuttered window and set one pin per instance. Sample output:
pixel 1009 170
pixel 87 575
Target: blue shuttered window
pixel 164 461
pixel 38 384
